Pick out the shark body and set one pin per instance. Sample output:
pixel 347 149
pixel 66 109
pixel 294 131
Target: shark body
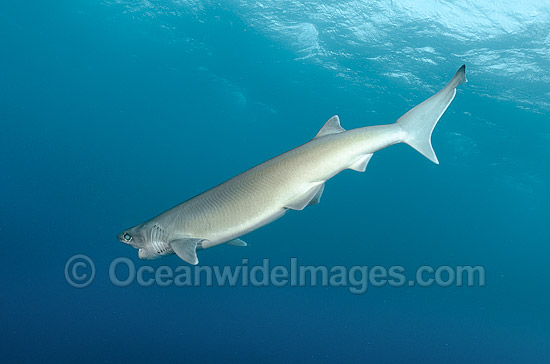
pixel 290 181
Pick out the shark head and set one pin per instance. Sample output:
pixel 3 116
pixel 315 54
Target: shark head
pixel 150 239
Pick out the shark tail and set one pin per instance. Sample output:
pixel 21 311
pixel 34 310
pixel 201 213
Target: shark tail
pixel 419 122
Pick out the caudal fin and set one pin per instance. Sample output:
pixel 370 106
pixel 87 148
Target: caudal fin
pixel 419 122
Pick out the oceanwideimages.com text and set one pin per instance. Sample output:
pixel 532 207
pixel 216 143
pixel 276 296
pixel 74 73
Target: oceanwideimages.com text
pixel 123 272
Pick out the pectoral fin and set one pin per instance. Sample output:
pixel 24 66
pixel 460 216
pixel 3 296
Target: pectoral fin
pixel 186 249
pixel 237 242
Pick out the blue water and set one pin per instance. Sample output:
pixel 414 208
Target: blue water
pixel 114 111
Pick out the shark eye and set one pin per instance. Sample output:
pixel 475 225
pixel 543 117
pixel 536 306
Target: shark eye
pixel 127 237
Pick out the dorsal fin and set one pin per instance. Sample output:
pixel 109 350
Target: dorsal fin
pixel 332 126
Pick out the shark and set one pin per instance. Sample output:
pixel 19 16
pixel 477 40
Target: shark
pixel 290 181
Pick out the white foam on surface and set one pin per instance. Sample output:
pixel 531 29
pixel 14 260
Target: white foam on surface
pixel 500 41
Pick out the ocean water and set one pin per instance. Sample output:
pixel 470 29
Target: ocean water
pixel 115 111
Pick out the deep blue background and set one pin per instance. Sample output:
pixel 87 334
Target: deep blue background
pixel 108 119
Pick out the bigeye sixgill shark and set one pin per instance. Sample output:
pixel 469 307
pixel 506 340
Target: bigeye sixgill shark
pixel 290 181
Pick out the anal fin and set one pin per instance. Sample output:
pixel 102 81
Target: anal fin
pixel 360 165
